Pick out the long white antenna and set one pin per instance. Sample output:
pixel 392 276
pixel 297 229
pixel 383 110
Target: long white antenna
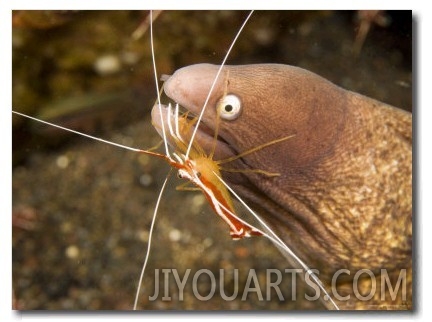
pixel 157 85
pixel 150 239
pixel 214 83
pixel 79 133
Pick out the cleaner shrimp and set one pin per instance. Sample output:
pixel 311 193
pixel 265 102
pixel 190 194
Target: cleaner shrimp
pixel 76 251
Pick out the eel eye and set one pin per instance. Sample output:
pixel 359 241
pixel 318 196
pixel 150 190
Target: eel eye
pixel 229 107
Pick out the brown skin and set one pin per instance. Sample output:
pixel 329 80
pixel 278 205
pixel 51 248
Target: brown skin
pixel 344 195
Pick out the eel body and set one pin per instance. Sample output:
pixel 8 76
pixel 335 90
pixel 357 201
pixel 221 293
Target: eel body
pixel 343 196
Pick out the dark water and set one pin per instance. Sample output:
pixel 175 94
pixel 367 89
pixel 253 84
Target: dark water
pixel 90 205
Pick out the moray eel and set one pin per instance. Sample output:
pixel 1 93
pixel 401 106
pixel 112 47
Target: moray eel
pixel 343 196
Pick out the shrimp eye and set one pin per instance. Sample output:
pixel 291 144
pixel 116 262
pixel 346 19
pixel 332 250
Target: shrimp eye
pixel 229 107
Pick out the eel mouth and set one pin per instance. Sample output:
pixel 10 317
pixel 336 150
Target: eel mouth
pixel 205 134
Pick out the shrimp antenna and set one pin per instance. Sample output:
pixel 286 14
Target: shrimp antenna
pixel 150 239
pixel 156 83
pixel 214 84
pixel 79 133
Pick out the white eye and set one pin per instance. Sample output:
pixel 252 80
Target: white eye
pixel 229 107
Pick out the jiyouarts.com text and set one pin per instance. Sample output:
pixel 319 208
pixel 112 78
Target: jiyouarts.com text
pixel 269 284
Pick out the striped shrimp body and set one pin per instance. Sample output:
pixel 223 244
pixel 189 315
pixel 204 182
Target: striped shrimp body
pixel 200 169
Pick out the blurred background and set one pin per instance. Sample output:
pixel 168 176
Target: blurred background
pixel 82 209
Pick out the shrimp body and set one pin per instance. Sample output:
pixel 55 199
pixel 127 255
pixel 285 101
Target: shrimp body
pixel 200 169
